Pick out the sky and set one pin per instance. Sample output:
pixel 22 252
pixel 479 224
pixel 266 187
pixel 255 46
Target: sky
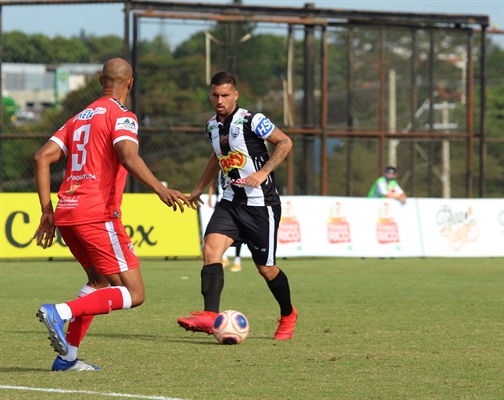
pixel 107 19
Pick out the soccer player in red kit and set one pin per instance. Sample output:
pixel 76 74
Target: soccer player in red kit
pixel 101 145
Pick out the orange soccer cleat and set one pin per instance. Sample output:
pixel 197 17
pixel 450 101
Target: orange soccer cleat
pixel 286 325
pixel 199 321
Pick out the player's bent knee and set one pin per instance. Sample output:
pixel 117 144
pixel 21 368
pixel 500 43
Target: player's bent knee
pixel 268 273
pixel 137 300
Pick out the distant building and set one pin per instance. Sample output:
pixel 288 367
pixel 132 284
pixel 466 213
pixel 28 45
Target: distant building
pixel 37 86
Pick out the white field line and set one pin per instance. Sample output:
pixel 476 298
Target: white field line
pixel 123 395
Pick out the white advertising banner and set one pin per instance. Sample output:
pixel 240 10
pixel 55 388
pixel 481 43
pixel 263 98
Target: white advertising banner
pixel 462 227
pixel 342 227
pixel 348 227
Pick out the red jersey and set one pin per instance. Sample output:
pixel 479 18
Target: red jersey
pixel 94 182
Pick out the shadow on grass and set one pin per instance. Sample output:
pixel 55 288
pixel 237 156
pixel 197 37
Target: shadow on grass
pixel 19 369
pixel 174 339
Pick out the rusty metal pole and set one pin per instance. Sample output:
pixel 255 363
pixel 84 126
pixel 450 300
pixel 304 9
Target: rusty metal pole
pixel 135 93
pixel 381 103
pixel 413 109
pixel 132 183
pixel 483 114
pixel 350 61
pixel 323 118
pixel 309 106
pixel 126 47
pixel 432 61
pixel 231 56
pixel 290 67
pixel 469 116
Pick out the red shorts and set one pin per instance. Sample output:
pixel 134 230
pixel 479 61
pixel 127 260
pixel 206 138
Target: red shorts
pixel 105 245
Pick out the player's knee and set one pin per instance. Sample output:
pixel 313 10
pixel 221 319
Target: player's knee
pixel 268 273
pixel 137 299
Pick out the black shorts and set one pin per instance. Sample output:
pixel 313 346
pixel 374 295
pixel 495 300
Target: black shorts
pixel 256 226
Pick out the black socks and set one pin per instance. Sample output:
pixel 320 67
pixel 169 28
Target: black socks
pixel 212 282
pixel 279 286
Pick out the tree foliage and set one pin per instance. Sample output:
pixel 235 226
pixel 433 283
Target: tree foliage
pixel 173 88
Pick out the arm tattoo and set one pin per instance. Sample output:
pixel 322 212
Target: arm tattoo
pixel 278 155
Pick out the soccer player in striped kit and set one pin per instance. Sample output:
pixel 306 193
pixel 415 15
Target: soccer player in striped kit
pixel 250 208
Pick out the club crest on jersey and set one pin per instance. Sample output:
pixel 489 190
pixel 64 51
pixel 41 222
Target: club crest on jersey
pixel 234 131
pixel 264 127
pixel 234 159
pixel 126 123
pixel 224 140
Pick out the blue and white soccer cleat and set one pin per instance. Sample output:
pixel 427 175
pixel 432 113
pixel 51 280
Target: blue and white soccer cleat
pixel 55 325
pixel 76 365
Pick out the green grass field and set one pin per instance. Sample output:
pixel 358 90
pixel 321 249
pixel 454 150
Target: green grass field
pixel 367 329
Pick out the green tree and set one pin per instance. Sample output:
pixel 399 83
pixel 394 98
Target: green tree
pixel 102 49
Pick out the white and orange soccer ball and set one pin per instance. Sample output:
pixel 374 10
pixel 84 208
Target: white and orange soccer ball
pixel 230 327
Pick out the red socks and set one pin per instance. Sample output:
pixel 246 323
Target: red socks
pixel 100 302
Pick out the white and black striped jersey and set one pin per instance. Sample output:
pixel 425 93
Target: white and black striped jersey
pixel 240 146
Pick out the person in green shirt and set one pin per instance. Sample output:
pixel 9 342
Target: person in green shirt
pixel 387 186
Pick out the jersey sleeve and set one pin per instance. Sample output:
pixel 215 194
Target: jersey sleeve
pixel 61 139
pixel 262 126
pixel 125 127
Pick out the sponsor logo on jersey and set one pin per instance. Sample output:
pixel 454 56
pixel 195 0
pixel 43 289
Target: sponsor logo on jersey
pixel 234 159
pixel 234 131
pixel 237 182
pixel 89 113
pixel 81 177
pixel 72 188
pixel 241 121
pixel 264 127
pixel 126 123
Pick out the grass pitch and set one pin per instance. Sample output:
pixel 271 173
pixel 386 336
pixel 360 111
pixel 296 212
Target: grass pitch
pixel 367 329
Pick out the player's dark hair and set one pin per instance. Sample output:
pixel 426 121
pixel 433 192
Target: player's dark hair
pixel 223 77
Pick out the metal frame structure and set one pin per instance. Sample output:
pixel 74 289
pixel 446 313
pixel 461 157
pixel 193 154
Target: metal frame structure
pixel 310 18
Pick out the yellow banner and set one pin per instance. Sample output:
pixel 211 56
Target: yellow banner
pixel 155 229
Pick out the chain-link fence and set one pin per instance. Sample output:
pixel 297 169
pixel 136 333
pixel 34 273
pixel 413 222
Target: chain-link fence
pixel 377 81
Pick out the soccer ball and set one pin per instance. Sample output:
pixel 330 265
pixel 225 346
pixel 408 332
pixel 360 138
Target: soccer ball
pixel 230 327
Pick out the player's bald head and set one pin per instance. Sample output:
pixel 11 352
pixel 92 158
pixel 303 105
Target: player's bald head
pixel 116 71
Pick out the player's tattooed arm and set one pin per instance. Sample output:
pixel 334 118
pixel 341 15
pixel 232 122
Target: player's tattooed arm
pixel 283 144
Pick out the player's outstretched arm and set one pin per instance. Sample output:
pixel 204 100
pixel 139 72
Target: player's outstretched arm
pixel 135 165
pixel 47 155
